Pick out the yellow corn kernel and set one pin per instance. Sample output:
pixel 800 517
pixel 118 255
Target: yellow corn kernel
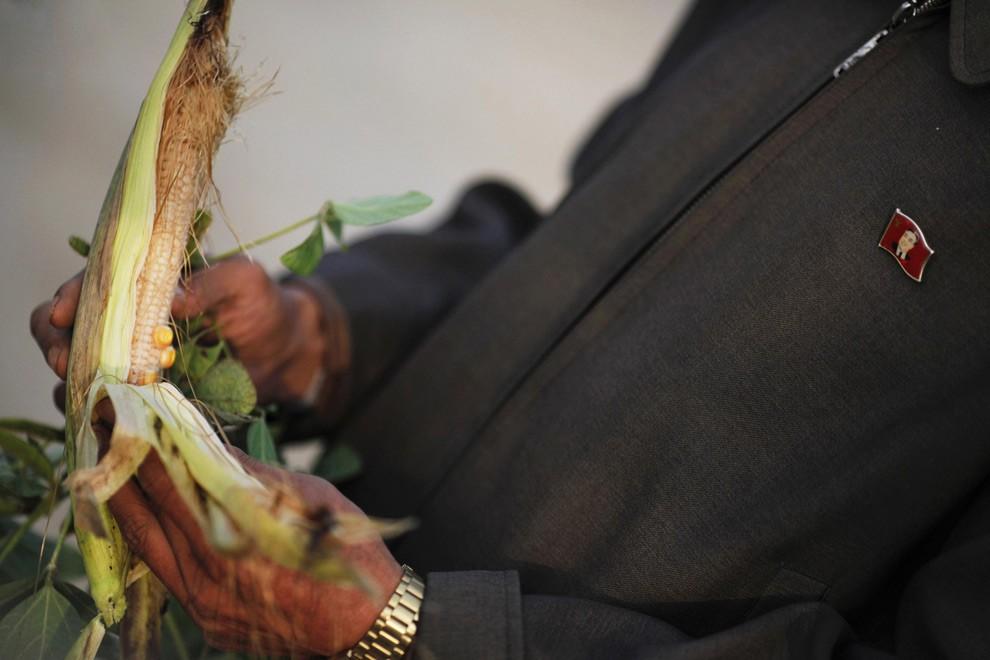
pixel 167 358
pixel 162 335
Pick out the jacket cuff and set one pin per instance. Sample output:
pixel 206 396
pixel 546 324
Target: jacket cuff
pixel 470 614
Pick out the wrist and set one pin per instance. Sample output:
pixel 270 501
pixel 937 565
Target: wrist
pixel 393 631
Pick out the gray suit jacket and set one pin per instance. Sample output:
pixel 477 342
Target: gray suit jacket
pixel 697 412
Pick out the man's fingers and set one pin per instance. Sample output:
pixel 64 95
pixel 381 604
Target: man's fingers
pixel 59 395
pixel 65 302
pixel 53 342
pixel 145 536
pixel 105 412
pixel 208 289
pixel 256 467
pixel 315 492
pixel 165 499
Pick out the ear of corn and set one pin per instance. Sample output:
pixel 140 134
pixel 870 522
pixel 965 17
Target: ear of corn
pixel 119 346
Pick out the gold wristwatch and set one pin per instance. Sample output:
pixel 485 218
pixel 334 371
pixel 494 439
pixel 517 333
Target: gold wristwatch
pixel 393 631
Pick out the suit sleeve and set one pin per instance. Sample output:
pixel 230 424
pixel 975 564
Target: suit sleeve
pixel 394 287
pixel 943 612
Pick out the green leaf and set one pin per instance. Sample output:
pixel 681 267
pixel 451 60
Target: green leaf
pixel 332 223
pixel 379 210
pixel 26 556
pixel 336 228
pixel 339 463
pixel 80 245
pixel 303 258
pixel 227 387
pixel 260 443
pixel 27 453
pixel 18 481
pixel 88 643
pixel 42 627
pixel 36 430
pixel 81 601
pixel 193 361
pixel 11 593
pixel 10 505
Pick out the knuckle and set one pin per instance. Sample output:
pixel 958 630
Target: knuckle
pixel 255 275
pixel 137 533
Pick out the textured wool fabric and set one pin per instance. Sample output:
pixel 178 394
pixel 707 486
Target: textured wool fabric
pixel 698 412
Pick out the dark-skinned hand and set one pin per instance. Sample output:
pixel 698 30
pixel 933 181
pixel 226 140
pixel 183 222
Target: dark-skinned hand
pixel 249 603
pixel 274 330
pixel 246 603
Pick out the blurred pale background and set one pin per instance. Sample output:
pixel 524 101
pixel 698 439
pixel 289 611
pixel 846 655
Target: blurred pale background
pixel 374 97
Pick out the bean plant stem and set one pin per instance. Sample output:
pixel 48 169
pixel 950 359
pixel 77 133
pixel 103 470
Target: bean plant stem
pixel 267 237
pixel 62 533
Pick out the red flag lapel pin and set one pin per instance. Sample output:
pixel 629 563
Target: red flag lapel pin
pixel 904 241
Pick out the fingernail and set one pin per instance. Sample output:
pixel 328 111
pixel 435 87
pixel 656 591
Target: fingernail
pixel 52 356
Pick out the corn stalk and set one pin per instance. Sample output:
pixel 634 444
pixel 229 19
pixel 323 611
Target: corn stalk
pixel 122 341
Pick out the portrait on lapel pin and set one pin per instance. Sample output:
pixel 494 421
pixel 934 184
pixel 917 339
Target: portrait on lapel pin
pixel 904 240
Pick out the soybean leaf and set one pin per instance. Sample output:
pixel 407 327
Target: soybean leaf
pixel 17 482
pixel 27 453
pixel 36 430
pixel 260 443
pixel 11 593
pixel 333 223
pixel 382 209
pixel 81 601
pixel 80 245
pixel 193 361
pixel 11 505
pixel 227 387
pixel 336 228
pixel 303 258
pixel 43 626
pixel 339 463
pixel 26 556
pixel 87 645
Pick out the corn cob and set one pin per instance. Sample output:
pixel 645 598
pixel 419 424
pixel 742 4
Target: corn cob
pixel 122 341
pixel 201 100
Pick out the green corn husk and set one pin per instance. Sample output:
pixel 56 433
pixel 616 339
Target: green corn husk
pixel 238 512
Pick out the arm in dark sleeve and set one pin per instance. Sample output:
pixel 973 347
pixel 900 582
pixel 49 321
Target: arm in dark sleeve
pixel 944 612
pixel 394 287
